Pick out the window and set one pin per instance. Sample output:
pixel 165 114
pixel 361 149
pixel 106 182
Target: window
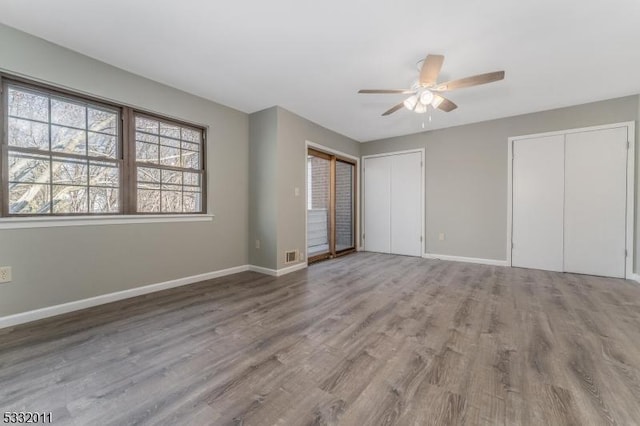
pixel 168 164
pixel 64 154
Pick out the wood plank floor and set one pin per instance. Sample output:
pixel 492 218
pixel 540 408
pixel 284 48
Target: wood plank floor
pixel 366 339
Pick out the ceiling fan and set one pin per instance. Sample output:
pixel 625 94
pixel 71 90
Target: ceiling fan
pixel 426 91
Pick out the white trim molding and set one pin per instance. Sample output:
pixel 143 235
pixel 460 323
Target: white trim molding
pixel 278 272
pixel 50 311
pixel 52 222
pixel 634 277
pixel 493 262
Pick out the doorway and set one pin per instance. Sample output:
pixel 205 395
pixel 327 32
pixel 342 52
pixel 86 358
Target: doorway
pixel 331 213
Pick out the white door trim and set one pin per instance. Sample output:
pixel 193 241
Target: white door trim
pixel 309 144
pixel 422 187
pixel 630 225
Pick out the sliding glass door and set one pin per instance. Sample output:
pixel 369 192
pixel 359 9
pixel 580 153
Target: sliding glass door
pixel 331 187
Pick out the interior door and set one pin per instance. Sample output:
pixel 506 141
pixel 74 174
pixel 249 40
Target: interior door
pixel 406 204
pixel 595 204
pixel 377 204
pixel 538 203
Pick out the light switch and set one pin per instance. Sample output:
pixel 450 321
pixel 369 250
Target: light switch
pixel 441 236
pixel 296 191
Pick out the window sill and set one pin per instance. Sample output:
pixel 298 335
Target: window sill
pixel 52 222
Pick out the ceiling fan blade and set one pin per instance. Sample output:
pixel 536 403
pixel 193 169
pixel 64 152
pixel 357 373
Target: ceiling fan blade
pixel 431 69
pixel 472 81
pixel 443 103
pixel 393 109
pixel 386 91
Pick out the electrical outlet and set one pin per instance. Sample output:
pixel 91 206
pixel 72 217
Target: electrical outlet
pixel 301 256
pixel 5 274
pixel 441 236
pixel 258 244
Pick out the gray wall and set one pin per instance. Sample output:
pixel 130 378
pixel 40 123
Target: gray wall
pixel 58 265
pixel 263 180
pixel 466 172
pixel 289 166
pixel 293 132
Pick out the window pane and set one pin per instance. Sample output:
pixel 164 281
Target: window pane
pixel 143 137
pixel 28 168
pixel 28 199
pixel 190 160
pixel 171 202
pixel 148 201
pixel 146 152
pixel 28 134
pixel 68 114
pixel 170 142
pixel 71 172
pixel 171 177
pixel 192 203
pixel 147 125
pixel 28 105
pixel 190 146
pixel 169 156
pixel 76 139
pixel 192 179
pixel 104 174
pixel 191 135
pixel 148 174
pixel 70 199
pixel 65 139
pixel 104 200
pixel 168 187
pixel 169 131
pixel 101 145
pixel 103 121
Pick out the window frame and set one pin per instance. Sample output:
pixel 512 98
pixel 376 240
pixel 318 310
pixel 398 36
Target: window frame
pixel 125 156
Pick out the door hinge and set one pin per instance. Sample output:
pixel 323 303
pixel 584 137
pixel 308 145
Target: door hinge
pixel 363 236
pixel 420 238
pixel 628 144
pixel 626 253
pixel 512 245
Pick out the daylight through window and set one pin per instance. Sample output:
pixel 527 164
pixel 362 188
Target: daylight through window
pixel 65 155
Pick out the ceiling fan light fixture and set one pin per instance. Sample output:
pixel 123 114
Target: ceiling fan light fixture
pixel 437 101
pixel 426 97
pixel 420 108
pixel 411 102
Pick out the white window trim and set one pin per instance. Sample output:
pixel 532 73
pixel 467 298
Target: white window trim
pixel 53 222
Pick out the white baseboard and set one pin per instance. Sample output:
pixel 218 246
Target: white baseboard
pixel 465 259
pixel 64 308
pixel 278 272
pixel 634 277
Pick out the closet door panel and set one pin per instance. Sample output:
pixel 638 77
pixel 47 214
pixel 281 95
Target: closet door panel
pixel 406 204
pixel 377 204
pixel 538 203
pixel 595 202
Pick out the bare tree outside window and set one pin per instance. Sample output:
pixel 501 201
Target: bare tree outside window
pixel 66 155
pixel 62 155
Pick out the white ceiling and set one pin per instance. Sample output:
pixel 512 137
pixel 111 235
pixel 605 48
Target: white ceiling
pixel 312 56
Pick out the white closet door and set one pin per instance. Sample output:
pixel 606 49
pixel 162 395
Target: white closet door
pixel 538 198
pixel 406 204
pixel 595 205
pixel 377 204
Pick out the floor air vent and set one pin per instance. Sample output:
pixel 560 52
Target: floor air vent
pixel 290 256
